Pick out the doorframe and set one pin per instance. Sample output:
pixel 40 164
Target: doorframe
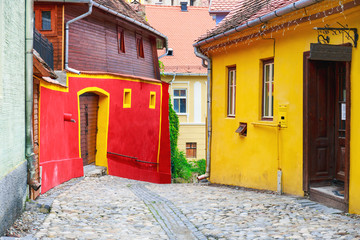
pixel 306 164
pixel 102 124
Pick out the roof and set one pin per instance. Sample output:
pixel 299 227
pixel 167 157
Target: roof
pixel 223 6
pixel 121 6
pixel 246 10
pixel 41 69
pixel 182 29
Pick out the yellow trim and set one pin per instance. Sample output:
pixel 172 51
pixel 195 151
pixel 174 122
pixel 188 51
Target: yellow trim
pixel 59 88
pixel 152 101
pixel 127 98
pixel 52 86
pixel 102 124
pixel 158 157
pixel 109 76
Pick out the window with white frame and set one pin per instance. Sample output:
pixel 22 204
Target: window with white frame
pixel 268 90
pixel 231 91
pixel 179 100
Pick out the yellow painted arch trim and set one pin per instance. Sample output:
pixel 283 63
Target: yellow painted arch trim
pixel 102 124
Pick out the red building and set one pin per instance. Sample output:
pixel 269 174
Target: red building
pixel 108 105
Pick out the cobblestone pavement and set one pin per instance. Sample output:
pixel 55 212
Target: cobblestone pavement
pixel 116 208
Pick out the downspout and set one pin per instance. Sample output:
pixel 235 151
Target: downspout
pixel 29 148
pixel 67 37
pixel 208 157
pixel 172 80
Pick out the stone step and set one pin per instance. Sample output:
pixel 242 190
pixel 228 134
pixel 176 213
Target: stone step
pixel 94 171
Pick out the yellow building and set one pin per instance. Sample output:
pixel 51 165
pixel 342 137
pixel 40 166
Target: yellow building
pixel 284 99
pixel 184 71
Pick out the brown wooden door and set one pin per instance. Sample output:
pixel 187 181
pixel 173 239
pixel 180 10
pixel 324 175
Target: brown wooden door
pixel 340 120
pixel 89 103
pixel 321 121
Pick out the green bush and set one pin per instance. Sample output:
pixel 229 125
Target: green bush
pixel 199 166
pixel 180 167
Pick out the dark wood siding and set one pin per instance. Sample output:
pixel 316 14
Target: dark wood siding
pixel 93 45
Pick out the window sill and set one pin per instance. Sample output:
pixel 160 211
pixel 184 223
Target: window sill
pixel 181 114
pixel 265 124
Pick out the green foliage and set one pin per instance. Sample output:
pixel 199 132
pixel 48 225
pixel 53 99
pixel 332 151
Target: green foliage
pixel 174 129
pixel 199 166
pixel 161 67
pixel 180 167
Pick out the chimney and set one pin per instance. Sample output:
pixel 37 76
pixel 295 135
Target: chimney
pixel 183 6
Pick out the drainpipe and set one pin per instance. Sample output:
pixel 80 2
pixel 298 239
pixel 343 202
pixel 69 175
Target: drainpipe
pixel 29 148
pixel 67 37
pixel 208 157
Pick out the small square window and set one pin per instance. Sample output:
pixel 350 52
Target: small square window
pixel 152 100
pixel 139 46
pixel 191 150
pixel 127 98
pixel 121 40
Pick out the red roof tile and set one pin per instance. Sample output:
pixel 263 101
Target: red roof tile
pixel 244 11
pixel 222 5
pixel 182 29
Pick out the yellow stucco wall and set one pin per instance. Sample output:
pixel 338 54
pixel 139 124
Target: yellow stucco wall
pixel 191 129
pixel 253 161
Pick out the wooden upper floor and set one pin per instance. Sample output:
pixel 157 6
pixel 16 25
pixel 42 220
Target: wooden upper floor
pixel 100 42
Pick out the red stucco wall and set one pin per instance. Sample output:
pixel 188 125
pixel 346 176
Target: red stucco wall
pixel 132 131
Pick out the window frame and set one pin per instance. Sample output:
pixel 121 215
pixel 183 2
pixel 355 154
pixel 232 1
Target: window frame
pixel 191 150
pixel 38 18
pixel 180 97
pixel 127 98
pixel 121 39
pixel 152 100
pixel 231 92
pixel 269 101
pixel 140 46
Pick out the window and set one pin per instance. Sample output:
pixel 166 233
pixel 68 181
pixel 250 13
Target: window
pixel 191 150
pixel 268 90
pixel 152 100
pixel 45 19
pixel 121 40
pixel 139 46
pixel 180 100
pixel 127 98
pixel 231 91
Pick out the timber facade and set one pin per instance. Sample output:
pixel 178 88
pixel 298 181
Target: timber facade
pixel 108 106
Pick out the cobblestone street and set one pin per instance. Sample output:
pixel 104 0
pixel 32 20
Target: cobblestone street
pixel 115 208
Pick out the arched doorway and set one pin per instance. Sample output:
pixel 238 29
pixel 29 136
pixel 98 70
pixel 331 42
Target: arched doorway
pixel 99 100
